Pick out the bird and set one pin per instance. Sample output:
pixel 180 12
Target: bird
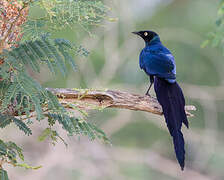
pixel 159 64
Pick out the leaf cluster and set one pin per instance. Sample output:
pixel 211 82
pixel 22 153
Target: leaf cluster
pixel 22 95
pixel 22 99
pixel 59 14
pixel 10 153
pixel 215 39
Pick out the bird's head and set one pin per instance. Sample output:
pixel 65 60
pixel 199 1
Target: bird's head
pixel 148 36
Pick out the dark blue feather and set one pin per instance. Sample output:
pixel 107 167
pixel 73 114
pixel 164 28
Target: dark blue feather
pixel 171 98
pixel 156 59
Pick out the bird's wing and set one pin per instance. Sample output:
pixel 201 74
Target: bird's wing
pixel 158 63
pixel 141 59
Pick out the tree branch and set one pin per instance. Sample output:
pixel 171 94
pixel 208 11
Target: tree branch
pixel 97 99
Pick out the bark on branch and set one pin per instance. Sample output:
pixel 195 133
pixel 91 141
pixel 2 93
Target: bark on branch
pixel 92 99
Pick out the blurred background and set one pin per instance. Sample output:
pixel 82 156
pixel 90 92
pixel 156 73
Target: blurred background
pixel 141 145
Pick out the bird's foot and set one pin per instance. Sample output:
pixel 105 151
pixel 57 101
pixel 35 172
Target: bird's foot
pixel 147 94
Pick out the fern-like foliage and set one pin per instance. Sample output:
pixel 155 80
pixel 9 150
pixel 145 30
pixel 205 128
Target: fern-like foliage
pixel 52 134
pixel 53 52
pixel 18 90
pixel 22 99
pixel 12 154
pixel 78 126
pixel 23 95
pixel 7 119
pixel 3 174
pixel 57 15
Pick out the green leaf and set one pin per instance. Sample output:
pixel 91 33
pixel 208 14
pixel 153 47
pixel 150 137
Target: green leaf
pixel 216 41
pixel 205 43
pixel 89 131
pixel 33 58
pixel 45 134
pixel 218 22
pixel 4 120
pixel 24 165
pixel 13 145
pixel 100 133
pixel 11 155
pixel 8 97
pixel 63 119
pixel 4 85
pixel 64 46
pixel 3 175
pixel 48 132
pixel 55 135
pixel 54 54
pixel 22 126
pixel 61 14
pixel 53 102
pixel 3 148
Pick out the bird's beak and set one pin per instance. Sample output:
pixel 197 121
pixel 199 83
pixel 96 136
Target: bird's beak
pixel 135 32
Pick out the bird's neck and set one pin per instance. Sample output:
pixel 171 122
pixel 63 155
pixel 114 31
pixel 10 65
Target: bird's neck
pixel 155 40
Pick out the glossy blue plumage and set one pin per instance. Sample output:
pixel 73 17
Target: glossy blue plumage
pixel 156 59
pixel 158 62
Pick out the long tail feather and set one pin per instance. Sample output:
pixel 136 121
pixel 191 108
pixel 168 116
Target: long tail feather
pixel 171 98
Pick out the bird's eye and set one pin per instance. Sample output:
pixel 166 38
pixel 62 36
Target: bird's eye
pixel 145 34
